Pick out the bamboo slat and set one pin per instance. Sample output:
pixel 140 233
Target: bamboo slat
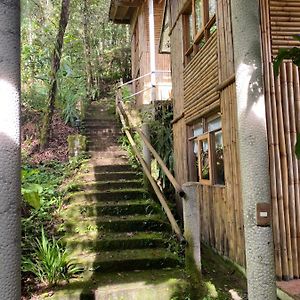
pixel 281 20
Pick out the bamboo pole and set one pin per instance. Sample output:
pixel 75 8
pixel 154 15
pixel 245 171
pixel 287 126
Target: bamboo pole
pixel 284 172
pixel 173 181
pixel 158 192
pixel 291 98
pixel 273 146
pixel 291 191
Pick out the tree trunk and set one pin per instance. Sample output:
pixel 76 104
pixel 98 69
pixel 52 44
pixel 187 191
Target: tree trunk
pixel 10 160
pixel 87 51
pixel 47 121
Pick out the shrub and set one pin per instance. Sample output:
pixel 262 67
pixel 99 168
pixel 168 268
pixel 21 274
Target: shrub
pixel 50 262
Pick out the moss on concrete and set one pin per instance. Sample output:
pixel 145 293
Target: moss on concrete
pixel 76 144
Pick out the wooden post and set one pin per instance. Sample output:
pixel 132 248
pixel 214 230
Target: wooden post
pixel 253 150
pixel 10 166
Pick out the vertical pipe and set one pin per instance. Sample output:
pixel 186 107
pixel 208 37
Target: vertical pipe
pixel 253 147
pixel 10 281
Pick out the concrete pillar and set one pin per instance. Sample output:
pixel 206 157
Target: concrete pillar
pixel 253 149
pixel 10 281
pixel 191 220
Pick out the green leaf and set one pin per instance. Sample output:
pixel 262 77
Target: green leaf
pixel 297 147
pixel 32 198
pixel 296 37
pixel 32 195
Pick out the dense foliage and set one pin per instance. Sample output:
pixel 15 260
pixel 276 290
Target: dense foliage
pixel 92 58
pixel 43 255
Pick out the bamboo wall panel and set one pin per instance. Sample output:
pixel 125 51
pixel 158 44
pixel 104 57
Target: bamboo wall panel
pixel 213 221
pixel 279 19
pixel 233 208
pixel 285 22
pixel 180 158
pixel 200 78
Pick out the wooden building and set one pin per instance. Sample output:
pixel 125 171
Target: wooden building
pixel 150 69
pixel 205 120
pixel 205 123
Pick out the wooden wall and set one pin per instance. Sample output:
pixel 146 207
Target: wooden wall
pixel 195 95
pixel 179 127
pixel 281 20
pixel 140 49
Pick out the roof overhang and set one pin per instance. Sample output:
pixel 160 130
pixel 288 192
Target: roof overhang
pixel 122 11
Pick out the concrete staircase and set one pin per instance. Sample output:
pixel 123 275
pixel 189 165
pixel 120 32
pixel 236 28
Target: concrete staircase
pixel 114 229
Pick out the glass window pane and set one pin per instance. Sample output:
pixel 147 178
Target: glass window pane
pixel 214 124
pixel 191 33
pixel 204 160
pixel 197 130
pixel 198 15
pixel 219 158
pixel 212 8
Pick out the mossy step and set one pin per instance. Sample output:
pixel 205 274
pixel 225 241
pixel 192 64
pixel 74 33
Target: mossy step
pixel 103 153
pixel 100 126
pixel 113 168
pixel 94 139
pixel 117 224
pixel 115 241
pixel 112 176
pixel 162 284
pixel 113 195
pixel 111 208
pixel 112 185
pixel 127 260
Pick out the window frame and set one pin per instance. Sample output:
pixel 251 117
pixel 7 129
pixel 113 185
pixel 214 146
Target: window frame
pixel 191 47
pixel 210 137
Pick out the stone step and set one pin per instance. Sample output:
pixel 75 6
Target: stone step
pixel 100 161
pixel 113 168
pixel 112 176
pixel 98 135
pixel 111 208
pixel 112 185
pixel 101 126
pixel 159 284
pixel 128 260
pixel 104 153
pixel 129 223
pixel 96 196
pixel 115 241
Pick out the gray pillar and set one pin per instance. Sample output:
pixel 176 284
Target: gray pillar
pixel 191 220
pixel 253 148
pixel 10 150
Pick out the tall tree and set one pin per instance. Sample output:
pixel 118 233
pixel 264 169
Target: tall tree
pixel 87 50
pixel 56 57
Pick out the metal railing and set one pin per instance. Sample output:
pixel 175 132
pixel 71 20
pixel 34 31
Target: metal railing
pixel 120 109
pixel 159 83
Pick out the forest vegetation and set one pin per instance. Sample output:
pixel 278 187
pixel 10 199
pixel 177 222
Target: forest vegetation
pixel 71 55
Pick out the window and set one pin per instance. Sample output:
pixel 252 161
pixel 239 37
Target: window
pixel 199 22
pixel 207 155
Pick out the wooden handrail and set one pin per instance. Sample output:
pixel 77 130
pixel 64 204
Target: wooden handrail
pixel 154 184
pixel 172 179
